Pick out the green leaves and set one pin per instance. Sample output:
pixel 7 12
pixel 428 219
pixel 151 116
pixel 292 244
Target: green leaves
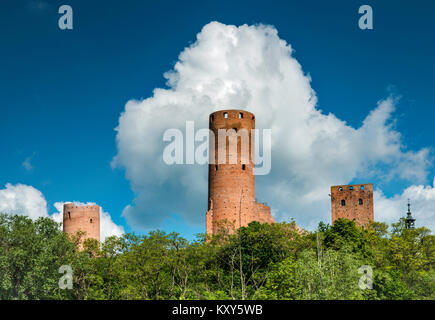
pixel 346 233
pixel 331 275
pixel 260 261
pixel 30 254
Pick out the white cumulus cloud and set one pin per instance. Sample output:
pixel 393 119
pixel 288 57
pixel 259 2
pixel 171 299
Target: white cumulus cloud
pixel 251 68
pixel 422 200
pixel 27 201
pixel 23 200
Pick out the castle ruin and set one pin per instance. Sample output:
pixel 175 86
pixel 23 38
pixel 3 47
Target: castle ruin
pixel 82 218
pixel 231 185
pixel 353 202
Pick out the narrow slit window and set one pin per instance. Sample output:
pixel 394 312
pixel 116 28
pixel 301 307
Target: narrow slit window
pixel 225 115
pixel 243 166
pixel 343 202
pixel 360 201
pixel 216 167
pixel 69 215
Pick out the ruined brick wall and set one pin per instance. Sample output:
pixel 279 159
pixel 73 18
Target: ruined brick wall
pixel 231 187
pixel 82 218
pixel 353 202
pixel 262 213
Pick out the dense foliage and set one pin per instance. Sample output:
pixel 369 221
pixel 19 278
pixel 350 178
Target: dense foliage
pixel 260 261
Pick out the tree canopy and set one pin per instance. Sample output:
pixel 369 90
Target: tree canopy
pixel 260 261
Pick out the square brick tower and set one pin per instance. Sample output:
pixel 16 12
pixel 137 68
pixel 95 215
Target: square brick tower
pixel 353 202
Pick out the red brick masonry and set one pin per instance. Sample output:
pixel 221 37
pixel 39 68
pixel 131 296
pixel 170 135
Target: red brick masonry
pixel 231 187
pixel 353 202
pixel 83 218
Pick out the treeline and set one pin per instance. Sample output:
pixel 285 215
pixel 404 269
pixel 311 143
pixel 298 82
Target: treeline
pixel 260 261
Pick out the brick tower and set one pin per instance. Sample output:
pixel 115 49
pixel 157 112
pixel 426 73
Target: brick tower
pixel 353 202
pixel 231 185
pixel 82 218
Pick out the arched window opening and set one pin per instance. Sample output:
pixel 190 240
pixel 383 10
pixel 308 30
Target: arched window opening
pixel 240 115
pixel 225 115
pixel 90 220
pixel 243 166
pixel 360 201
pixel 343 202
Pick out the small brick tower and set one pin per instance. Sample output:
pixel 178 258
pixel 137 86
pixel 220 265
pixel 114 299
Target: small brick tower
pixel 231 187
pixel 353 202
pixel 82 218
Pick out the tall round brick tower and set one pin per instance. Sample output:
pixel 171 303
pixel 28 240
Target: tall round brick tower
pixel 82 218
pixel 231 185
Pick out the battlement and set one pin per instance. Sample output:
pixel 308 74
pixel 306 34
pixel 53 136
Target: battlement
pixel 233 114
pixel 72 205
pixel 352 187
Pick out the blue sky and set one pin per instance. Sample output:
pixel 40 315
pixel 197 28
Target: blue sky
pixel 62 92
